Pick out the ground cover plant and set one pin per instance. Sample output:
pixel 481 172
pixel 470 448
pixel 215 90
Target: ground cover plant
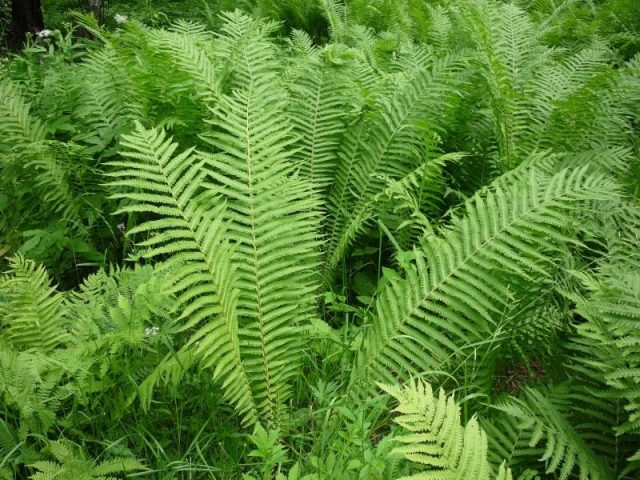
pixel 323 240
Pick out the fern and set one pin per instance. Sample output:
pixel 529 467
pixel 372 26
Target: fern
pixel 518 263
pixel 72 464
pixel 318 105
pixel 452 299
pixel 107 103
pixel 18 126
pixel 241 40
pixel 274 221
pixel 189 48
pixel 412 202
pixel 385 146
pixel 436 439
pixel 30 308
pixel 564 449
pixel 605 349
pixel 508 55
pixel 33 387
pixel 190 228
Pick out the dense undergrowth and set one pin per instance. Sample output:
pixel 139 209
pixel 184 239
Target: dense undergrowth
pixel 310 240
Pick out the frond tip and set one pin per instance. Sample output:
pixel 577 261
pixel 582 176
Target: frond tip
pixel 436 437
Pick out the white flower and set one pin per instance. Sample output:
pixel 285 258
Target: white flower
pixel 151 331
pixel 44 34
pixel 120 19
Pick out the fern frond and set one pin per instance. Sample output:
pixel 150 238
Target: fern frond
pixel 551 91
pixel 508 53
pixel 318 108
pixel 30 308
pixel 18 127
pixel 55 167
pixel 241 43
pixel 71 464
pixel 274 221
pixel 453 298
pixel 335 11
pixel 191 52
pixel 191 230
pixel 32 384
pixel 544 433
pixel 107 102
pixel 605 350
pixel 386 146
pixel 436 439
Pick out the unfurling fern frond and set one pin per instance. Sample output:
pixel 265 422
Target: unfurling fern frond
pixel 30 308
pixel 454 297
pixel 436 439
pixel 190 228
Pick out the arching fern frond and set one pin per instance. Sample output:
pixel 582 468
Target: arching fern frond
pixel 18 127
pixel 544 434
pixel 30 308
pixel 436 439
pixel 452 300
pixel 190 229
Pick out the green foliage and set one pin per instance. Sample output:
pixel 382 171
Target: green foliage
pixel 30 308
pixel 5 17
pixel 223 224
pixel 502 232
pixel 71 464
pixel 546 432
pixel 435 437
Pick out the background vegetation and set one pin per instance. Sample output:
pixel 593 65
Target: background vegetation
pixel 317 240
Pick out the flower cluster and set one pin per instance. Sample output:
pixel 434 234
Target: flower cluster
pixel 44 34
pixel 120 19
pixel 151 331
